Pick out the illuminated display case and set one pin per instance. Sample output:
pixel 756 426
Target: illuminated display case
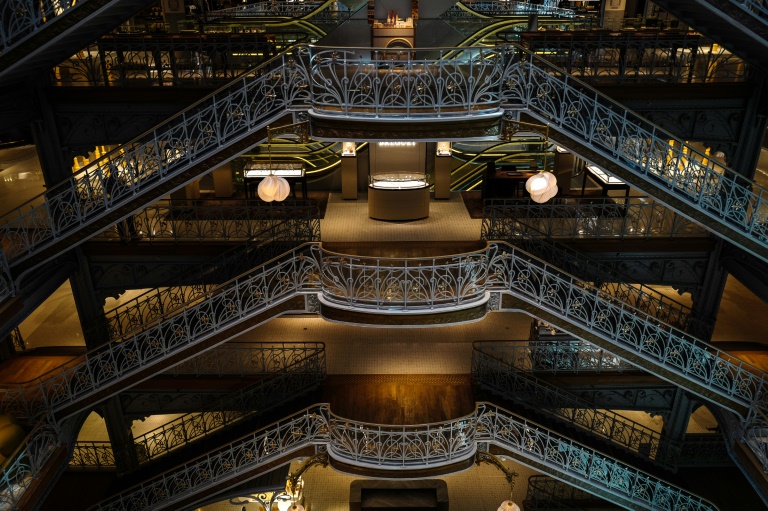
pixel 398 181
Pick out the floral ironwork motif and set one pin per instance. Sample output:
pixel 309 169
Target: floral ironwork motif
pixel 512 8
pixel 425 446
pixel 21 18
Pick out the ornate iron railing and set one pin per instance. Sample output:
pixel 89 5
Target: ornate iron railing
pixel 291 379
pixel 232 302
pixel 404 284
pixel 512 8
pixel 704 451
pixel 146 307
pixel 201 60
pixel 548 494
pixel 499 220
pixel 227 219
pixel 226 116
pixel 505 380
pixel 638 147
pixel 21 18
pixel 234 359
pixel 92 456
pixel 552 357
pixel 385 447
pixel 669 57
pixel 17 341
pixel 26 463
pixel 270 8
pixel 614 218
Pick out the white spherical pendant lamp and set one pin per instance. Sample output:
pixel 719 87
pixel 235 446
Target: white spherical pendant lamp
pixel 273 188
pixel 508 505
pixel 542 186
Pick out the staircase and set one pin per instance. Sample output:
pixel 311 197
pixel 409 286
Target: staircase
pixel 35 36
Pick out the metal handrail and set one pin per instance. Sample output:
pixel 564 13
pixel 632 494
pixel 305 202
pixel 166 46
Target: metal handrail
pixel 503 378
pixel 387 447
pixel 20 19
pixel 513 8
pixel 756 8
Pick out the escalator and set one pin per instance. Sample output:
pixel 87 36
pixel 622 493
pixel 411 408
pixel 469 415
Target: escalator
pixel 35 36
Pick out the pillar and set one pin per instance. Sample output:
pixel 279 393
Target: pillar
pixel 222 181
pixel 349 181
pixel 706 299
pixel 46 136
pixel 533 22
pixel 564 165
pixel 120 435
pixel 444 164
pixel 676 422
pixel 89 303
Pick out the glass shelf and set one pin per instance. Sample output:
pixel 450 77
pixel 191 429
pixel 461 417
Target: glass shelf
pixel 398 181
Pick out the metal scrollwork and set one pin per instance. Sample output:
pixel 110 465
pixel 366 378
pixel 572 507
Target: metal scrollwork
pixel 21 18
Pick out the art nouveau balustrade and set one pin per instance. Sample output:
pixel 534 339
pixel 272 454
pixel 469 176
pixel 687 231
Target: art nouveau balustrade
pixel 496 8
pixel 155 162
pixel 553 358
pixel 505 380
pixel 6 281
pixel 285 382
pixel 426 446
pixel 640 153
pixel 207 60
pixel 474 82
pixel 754 7
pixel 546 493
pixel 511 220
pixel 268 9
pixel 100 372
pixel 22 470
pixel 19 18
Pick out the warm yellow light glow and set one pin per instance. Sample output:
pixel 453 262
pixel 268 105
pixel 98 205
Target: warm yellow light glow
pixel 273 188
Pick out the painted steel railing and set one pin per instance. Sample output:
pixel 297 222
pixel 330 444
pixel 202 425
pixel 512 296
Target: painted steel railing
pixel 21 18
pixel 403 284
pixel 228 219
pixel 7 287
pixel 269 8
pixel 512 8
pixel 188 61
pixel 240 298
pixel 426 446
pixel 553 357
pixel 360 83
pixel 290 381
pixel 92 455
pixel 235 359
pixel 639 147
pixel 615 218
pixel 500 220
pixel 205 128
pixel 704 451
pixel 504 379
pixel 146 307
pixel 668 57
pixel 23 467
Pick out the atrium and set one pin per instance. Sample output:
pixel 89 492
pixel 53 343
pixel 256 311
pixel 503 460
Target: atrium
pixel 384 254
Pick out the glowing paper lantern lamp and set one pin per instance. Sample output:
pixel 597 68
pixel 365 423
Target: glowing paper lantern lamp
pixel 508 505
pixel 542 186
pixel 273 188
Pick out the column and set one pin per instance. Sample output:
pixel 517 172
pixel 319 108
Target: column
pixel 120 435
pixel 89 304
pixel 349 171
pixel 444 165
pixel 46 136
pixel 676 421
pixel 222 181
pixel 706 299
pixel 564 165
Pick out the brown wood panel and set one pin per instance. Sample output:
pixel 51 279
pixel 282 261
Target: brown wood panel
pixel 26 368
pixel 400 399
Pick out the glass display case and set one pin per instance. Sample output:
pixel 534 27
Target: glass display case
pixel 398 181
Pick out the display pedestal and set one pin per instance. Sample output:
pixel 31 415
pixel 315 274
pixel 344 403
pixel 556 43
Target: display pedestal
pixel 443 169
pixel 349 177
pixel 398 204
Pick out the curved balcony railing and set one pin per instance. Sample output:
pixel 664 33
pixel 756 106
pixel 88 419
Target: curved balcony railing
pixel 270 8
pixel 403 284
pixel 20 18
pixel 292 380
pixel 497 8
pixel 23 467
pixel 228 115
pixel 505 380
pixel 500 221
pixel 424 446
pixel 358 83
